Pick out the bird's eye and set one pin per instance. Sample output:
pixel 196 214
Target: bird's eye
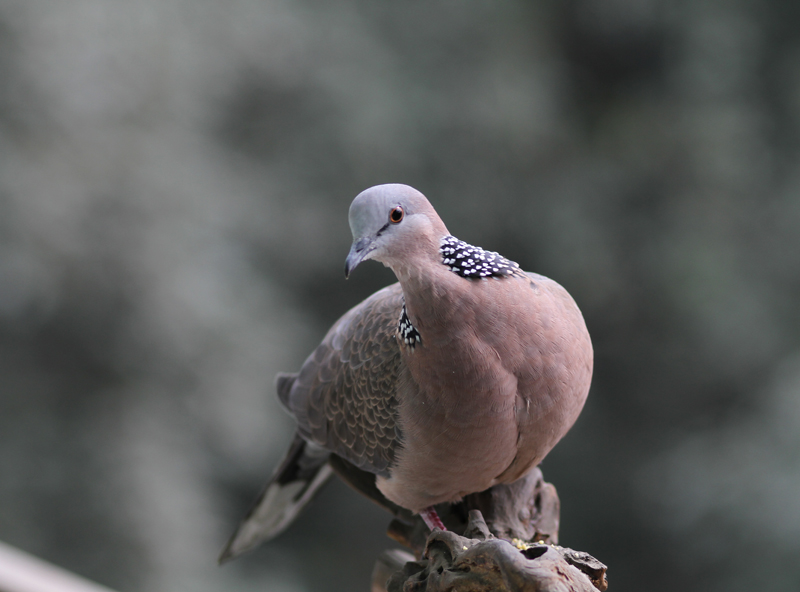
pixel 396 215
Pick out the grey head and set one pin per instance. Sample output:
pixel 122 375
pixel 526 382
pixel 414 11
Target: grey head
pixel 391 224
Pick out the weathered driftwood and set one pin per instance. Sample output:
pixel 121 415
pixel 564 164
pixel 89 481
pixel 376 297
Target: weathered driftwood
pixel 475 553
pixel 527 510
pixel 480 562
pixel 482 557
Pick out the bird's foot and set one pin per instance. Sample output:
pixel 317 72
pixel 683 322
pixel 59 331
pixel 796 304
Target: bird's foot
pixel 431 518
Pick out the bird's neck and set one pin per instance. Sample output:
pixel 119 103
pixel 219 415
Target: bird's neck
pixel 433 300
pixel 446 311
pixel 412 256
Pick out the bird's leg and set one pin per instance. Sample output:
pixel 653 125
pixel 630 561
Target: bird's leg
pixel 431 518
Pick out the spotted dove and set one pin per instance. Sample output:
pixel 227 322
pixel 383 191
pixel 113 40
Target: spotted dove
pixel 462 375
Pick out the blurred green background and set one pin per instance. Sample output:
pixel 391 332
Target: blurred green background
pixel 174 184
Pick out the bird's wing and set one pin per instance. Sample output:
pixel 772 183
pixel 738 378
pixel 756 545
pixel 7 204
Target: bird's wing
pixel 344 400
pixel 345 396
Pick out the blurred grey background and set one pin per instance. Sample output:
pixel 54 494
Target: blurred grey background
pixel 174 184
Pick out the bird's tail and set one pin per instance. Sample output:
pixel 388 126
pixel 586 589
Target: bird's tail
pixel 294 483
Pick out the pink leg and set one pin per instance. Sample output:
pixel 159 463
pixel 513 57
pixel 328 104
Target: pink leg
pixel 431 518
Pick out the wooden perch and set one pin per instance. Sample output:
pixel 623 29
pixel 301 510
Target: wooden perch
pixel 479 562
pixel 483 557
pixel 21 572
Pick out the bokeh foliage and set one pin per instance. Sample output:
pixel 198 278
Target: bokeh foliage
pixel 174 182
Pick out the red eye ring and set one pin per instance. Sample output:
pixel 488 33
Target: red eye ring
pixel 396 215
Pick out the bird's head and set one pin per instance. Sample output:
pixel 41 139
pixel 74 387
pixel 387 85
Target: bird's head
pixel 391 223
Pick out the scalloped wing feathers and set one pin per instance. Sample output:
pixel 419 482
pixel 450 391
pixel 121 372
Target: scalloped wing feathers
pixel 345 396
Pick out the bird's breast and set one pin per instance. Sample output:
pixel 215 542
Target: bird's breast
pixel 499 375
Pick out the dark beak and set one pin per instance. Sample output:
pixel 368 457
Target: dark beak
pixel 358 251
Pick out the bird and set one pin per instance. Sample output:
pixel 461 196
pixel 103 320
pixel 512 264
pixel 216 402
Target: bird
pixel 460 376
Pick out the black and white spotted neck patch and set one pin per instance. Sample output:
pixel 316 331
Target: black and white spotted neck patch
pixel 472 262
pixel 408 333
